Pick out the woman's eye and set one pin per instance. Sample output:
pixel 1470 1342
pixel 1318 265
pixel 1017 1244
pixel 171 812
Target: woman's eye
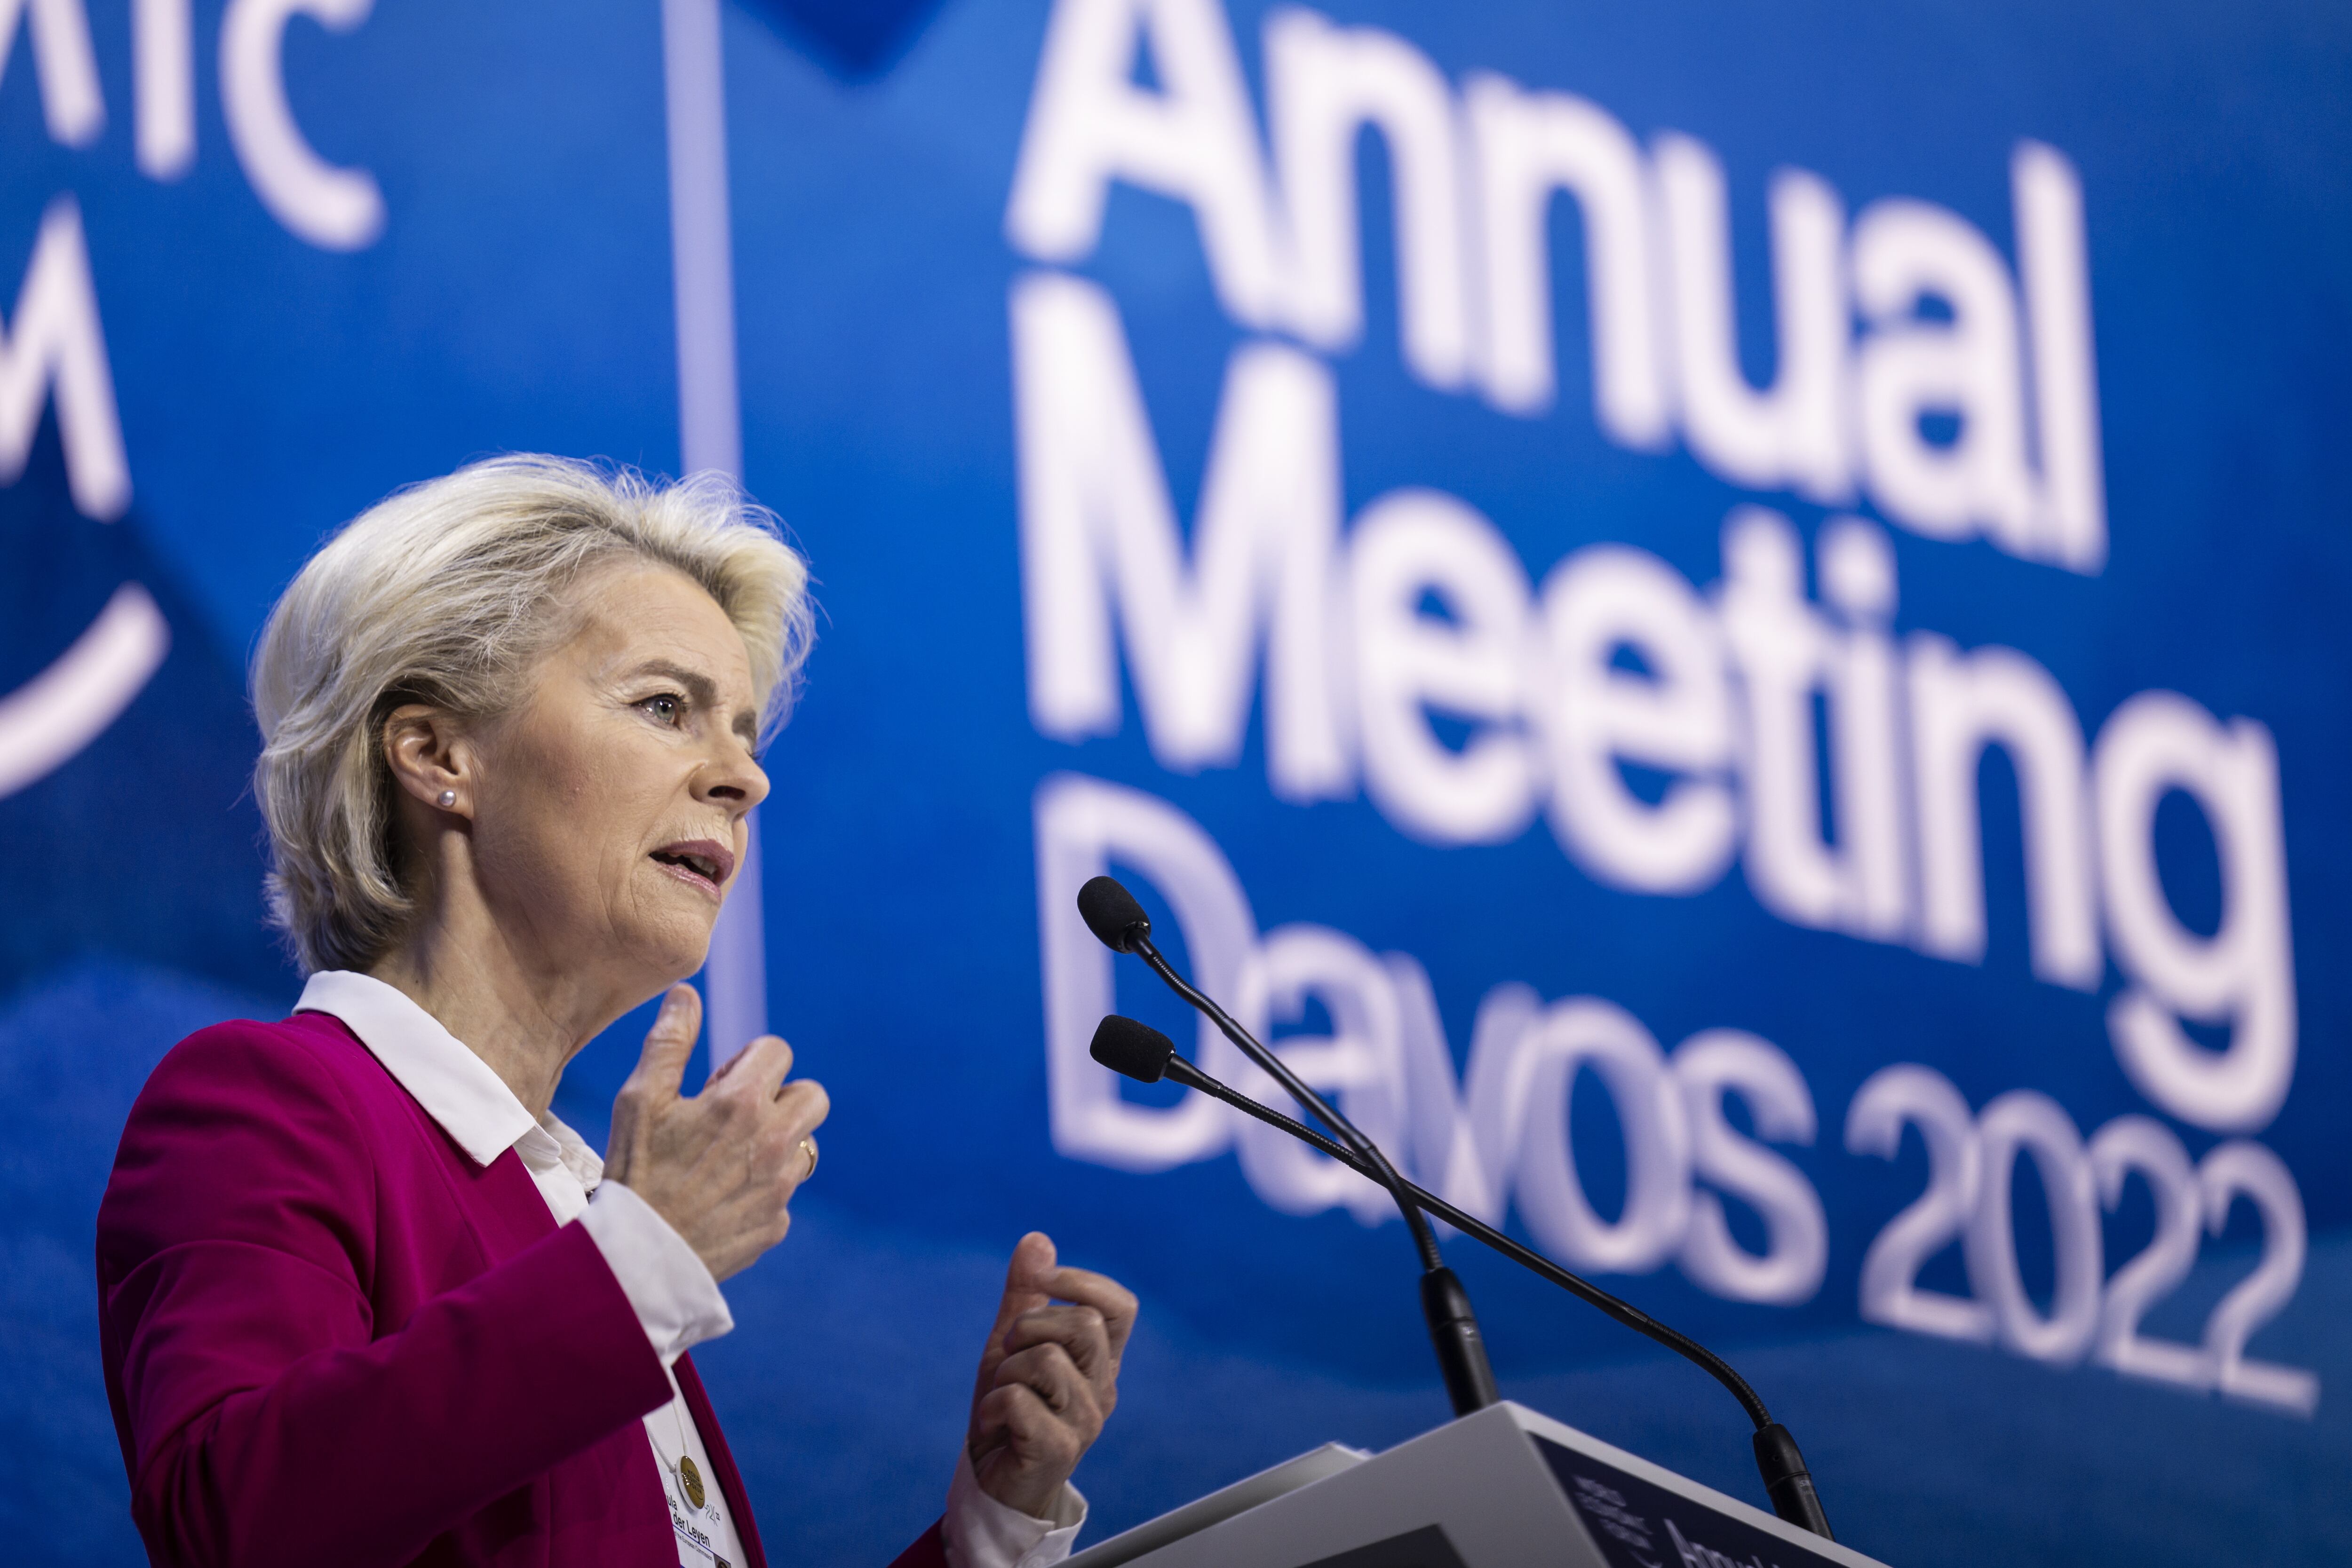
pixel 667 708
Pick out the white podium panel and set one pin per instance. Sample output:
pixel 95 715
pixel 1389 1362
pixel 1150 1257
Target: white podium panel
pixel 1505 1487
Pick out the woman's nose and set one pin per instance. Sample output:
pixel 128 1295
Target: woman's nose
pixel 734 777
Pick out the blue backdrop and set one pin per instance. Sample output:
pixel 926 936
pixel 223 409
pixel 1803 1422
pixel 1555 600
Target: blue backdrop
pixel 1726 618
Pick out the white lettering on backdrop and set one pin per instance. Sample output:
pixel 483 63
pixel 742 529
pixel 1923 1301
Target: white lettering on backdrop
pixel 1552 715
pixel 328 206
pixel 1917 371
pixel 51 347
pixel 1496 1136
pixel 53 352
pixel 1951 332
pixel 333 208
pixel 72 109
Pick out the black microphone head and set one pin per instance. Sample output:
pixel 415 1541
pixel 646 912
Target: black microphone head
pixel 1133 1050
pixel 1111 913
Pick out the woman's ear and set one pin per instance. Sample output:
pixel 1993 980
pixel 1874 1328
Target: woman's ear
pixel 430 757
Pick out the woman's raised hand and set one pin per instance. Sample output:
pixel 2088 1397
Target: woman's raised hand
pixel 721 1165
pixel 1048 1378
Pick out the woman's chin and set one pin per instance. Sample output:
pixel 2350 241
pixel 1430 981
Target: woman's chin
pixel 674 951
pixel 687 964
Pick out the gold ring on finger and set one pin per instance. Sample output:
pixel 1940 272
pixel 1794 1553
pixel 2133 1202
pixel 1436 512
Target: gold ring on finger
pixel 808 1148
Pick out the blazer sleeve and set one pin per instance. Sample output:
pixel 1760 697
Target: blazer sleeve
pixel 929 1549
pixel 266 1417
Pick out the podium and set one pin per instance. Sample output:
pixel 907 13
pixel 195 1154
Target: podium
pixel 1505 1488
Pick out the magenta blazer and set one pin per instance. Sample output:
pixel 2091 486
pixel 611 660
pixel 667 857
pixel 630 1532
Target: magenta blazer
pixel 329 1337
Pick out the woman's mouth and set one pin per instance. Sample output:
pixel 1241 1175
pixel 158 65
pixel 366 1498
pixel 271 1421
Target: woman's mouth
pixel 699 863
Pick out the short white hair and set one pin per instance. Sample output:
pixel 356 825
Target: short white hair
pixel 448 592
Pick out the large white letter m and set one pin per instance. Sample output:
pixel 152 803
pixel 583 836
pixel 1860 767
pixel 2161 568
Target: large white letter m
pixel 1097 526
pixel 52 341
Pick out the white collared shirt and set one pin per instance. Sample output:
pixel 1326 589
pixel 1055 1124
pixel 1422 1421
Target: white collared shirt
pixel 677 1301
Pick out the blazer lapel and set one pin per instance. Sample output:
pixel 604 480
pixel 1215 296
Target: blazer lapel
pixel 714 1442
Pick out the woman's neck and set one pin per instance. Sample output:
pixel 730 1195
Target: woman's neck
pixel 525 1020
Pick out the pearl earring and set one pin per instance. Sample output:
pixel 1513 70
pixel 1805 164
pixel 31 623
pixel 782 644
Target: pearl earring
pixel 449 798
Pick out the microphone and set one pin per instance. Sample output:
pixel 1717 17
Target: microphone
pixel 1111 913
pixel 1137 1050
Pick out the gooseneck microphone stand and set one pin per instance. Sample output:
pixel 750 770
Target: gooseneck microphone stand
pixel 1141 1052
pixel 1112 914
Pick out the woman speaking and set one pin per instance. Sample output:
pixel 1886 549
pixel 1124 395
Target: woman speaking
pixel 364 1298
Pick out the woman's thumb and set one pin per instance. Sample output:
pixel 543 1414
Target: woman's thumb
pixel 662 1064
